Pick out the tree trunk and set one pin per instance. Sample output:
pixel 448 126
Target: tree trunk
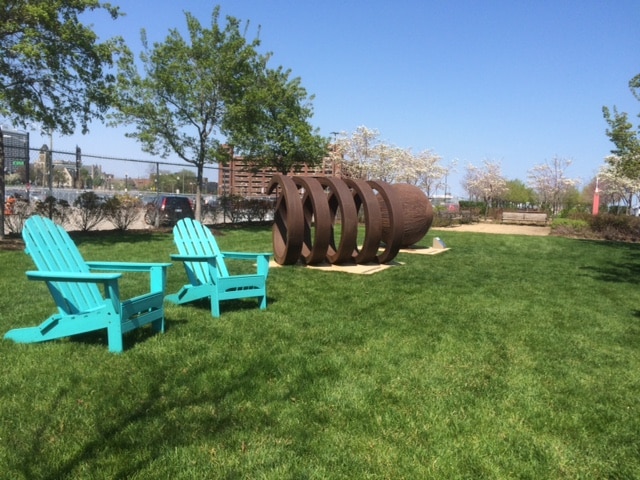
pixel 199 175
pixel 2 186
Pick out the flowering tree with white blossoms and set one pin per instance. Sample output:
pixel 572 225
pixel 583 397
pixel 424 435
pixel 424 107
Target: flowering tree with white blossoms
pixel 404 166
pixel 432 180
pixel 388 162
pixel 551 184
pixel 615 187
pixel 486 183
pixel 356 151
pixel 424 170
pixel 363 155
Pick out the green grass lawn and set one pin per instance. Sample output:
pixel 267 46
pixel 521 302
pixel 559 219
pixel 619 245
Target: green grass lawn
pixel 505 357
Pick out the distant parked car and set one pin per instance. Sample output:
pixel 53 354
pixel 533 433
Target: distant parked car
pixel 166 210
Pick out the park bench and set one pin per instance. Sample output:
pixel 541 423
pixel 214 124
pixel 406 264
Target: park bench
pixel 525 218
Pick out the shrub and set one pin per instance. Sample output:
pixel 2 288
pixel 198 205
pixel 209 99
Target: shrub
pixel 211 211
pixel 621 228
pixel 616 227
pixel 570 227
pixel 20 211
pixel 90 211
pixel 257 209
pixel 122 211
pixel 442 218
pixel 479 208
pixel 57 210
pixel 232 207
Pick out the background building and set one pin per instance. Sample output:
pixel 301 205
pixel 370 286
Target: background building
pixel 238 177
pixel 16 151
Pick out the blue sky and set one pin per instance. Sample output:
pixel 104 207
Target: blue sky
pixel 515 82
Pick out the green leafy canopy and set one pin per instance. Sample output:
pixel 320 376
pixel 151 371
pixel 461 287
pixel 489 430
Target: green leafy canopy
pixel 206 95
pixel 53 69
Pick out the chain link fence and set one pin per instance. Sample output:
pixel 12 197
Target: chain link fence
pixel 45 170
pixel 53 181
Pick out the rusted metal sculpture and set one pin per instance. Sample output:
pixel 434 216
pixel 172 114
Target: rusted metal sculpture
pixel 417 213
pixel 341 202
pixel 288 221
pixel 317 228
pixel 366 200
pixel 311 212
pixel 391 208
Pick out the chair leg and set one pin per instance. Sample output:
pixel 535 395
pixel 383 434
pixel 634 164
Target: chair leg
pixel 215 308
pixel 114 334
pixel 158 325
pixel 263 302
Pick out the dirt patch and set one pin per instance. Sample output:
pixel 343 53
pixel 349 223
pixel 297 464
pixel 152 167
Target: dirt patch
pixel 499 228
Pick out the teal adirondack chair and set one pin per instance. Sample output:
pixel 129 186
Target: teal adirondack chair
pixel 82 307
pixel 207 272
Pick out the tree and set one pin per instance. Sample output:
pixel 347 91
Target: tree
pixel 634 85
pixel 280 135
pixel 84 178
pixel 614 187
pixel 423 169
pixel 202 96
pixel 486 184
pixel 551 184
pixel 356 152
pixel 52 67
pixel 362 154
pixel 626 154
pixel 191 92
pixel 519 193
pixel 431 173
pixel 623 170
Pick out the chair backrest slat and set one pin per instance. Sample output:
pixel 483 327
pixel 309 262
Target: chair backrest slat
pixel 52 250
pixel 193 238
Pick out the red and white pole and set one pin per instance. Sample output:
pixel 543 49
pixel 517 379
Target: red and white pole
pixel 596 200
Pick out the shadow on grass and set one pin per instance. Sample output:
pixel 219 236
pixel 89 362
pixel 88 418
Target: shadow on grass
pixel 228 306
pixel 107 238
pixel 624 266
pixel 130 339
pixel 169 423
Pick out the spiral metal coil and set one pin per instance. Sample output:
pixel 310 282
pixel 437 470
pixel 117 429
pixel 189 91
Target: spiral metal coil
pixel 316 220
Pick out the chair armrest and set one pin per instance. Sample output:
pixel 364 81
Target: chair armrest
pixel 261 259
pixel 157 271
pixel 245 255
pixel 126 266
pixel 73 276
